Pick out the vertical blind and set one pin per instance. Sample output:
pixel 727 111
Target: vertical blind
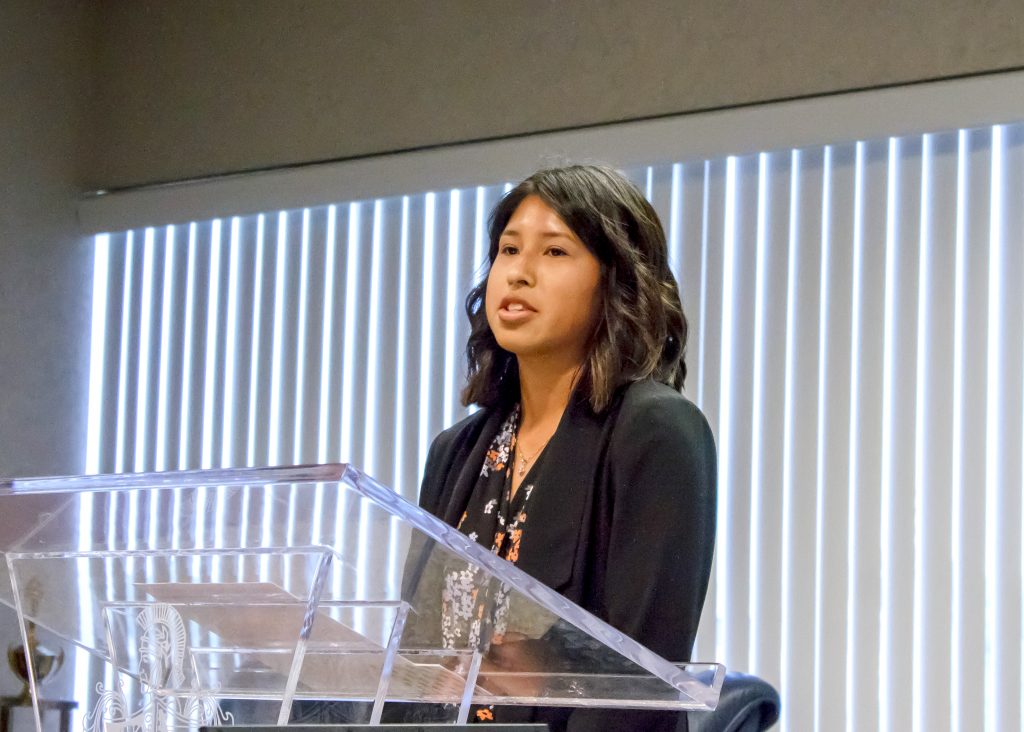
pixel 857 343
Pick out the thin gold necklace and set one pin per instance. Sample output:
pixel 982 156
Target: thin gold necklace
pixel 524 460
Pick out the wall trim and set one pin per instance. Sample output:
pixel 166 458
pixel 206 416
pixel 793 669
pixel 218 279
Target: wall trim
pixel 918 108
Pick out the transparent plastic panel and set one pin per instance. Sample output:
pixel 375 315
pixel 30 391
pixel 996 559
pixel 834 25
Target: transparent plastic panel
pixel 219 597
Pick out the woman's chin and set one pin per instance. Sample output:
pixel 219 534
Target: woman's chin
pixel 514 341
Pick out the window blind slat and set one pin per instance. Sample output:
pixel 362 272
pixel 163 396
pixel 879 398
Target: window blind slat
pixel 467 271
pixel 364 304
pixel 301 448
pixel 769 413
pixel 288 339
pixel 899 407
pixel 315 236
pixel 453 249
pixel 228 445
pixel 416 304
pixel 129 354
pixel 388 241
pixel 148 364
pixel 1009 436
pixel 866 427
pixel 969 445
pixel 353 347
pixel 337 227
pixel 109 354
pixel 661 195
pixel 800 485
pixel 435 318
pixel 240 328
pixel 175 291
pixel 277 234
pixel 833 526
pixel 710 639
pixel 403 407
pixel 213 355
pixel 737 394
pixel 261 371
pixel 687 255
pixel 933 451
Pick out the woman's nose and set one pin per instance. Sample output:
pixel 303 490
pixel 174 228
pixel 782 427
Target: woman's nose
pixel 521 271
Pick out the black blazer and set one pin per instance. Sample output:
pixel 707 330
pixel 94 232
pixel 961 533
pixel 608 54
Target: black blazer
pixel 622 521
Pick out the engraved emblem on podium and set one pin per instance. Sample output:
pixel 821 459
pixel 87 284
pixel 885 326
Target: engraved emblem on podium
pixel 166 702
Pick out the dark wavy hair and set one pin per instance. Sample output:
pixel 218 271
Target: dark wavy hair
pixel 641 331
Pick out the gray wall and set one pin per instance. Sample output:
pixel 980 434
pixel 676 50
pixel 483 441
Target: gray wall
pixel 45 266
pixel 192 88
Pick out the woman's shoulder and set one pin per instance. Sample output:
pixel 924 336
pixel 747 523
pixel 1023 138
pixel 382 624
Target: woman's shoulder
pixel 648 404
pixel 459 433
pixel 452 444
pixel 660 434
pixel 655 419
pixel 448 447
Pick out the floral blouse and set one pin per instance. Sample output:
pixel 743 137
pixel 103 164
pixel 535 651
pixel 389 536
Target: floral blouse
pixel 494 518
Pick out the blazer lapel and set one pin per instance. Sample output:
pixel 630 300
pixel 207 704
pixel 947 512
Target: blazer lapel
pixel 471 457
pixel 565 481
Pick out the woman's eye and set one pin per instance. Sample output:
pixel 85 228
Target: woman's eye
pixel 508 249
pixel 557 252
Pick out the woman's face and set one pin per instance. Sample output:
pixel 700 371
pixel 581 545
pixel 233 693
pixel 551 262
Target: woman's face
pixel 543 290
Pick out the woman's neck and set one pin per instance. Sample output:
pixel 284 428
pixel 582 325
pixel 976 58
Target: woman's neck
pixel 544 391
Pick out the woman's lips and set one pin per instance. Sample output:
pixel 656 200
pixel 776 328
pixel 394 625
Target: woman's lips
pixel 513 309
pixel 515 313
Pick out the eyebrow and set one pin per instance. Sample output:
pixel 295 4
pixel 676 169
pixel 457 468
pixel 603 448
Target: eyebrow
pixel 544 234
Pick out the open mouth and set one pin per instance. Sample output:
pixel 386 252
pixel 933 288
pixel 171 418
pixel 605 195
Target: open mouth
pixel 513 311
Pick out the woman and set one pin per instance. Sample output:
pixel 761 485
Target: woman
pixel 585 466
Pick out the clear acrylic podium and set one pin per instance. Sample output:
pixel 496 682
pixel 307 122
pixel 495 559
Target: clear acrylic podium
pixel 226 596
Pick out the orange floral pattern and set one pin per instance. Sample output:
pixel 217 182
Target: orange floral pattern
pixel 496 519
